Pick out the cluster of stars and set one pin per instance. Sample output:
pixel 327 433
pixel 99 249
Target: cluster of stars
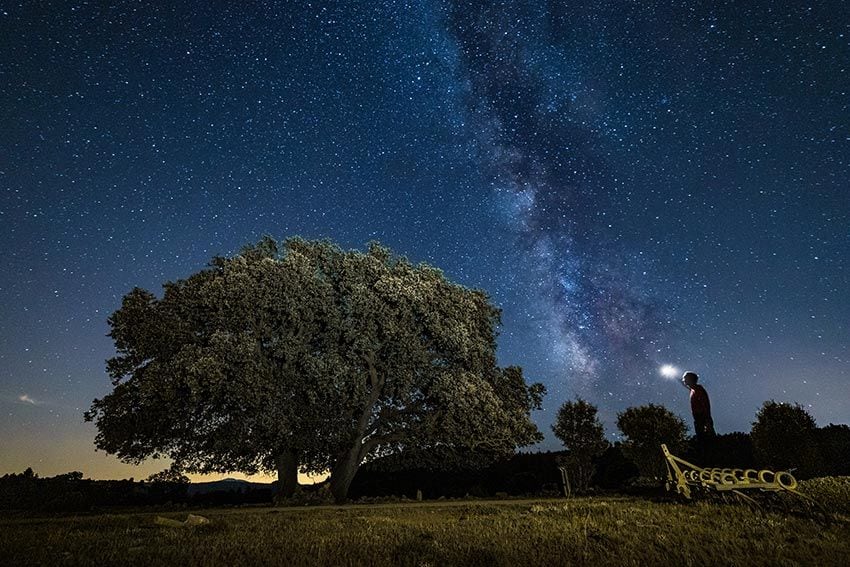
pixel 633 183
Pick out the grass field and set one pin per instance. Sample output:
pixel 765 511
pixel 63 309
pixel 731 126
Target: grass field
pixel 583 531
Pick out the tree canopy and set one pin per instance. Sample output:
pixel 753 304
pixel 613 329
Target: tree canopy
pixel 303 355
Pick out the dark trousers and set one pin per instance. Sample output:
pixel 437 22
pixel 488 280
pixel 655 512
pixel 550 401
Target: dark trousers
pixel 704 427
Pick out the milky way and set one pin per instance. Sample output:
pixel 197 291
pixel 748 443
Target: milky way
pixel 539 145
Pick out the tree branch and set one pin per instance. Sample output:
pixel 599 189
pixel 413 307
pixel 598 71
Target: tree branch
pixel 376 382
pixel 373 442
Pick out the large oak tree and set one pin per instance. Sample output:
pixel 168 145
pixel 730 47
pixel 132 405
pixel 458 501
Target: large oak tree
pixel 306 355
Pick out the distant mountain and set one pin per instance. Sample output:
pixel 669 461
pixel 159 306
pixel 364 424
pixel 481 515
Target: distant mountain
pixel 227 485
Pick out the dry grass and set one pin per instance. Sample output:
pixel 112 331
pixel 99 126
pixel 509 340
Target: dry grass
pixel 587 531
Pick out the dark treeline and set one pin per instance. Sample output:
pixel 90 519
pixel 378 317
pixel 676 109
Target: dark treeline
pixel 71 492
pixel 532 474
pixel 524 474
pixel 806 450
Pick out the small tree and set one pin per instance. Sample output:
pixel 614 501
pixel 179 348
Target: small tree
pixel 73 476
pixel 645 428
pixel 784 438
pixel 579 429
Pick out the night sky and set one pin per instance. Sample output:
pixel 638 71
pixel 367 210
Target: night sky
pixel 635 183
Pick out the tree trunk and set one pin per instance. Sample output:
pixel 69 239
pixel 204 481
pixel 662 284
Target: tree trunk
pixel 343 472
pixel 287 473
pixel 348 461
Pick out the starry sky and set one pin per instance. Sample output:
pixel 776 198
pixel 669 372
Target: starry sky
pixel 635 183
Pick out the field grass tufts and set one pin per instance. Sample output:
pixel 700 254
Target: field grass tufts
pixel 582 531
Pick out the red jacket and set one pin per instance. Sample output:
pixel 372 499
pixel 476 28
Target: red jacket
pixel 700 406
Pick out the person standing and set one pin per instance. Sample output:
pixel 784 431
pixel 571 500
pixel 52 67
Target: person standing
pixel 700 408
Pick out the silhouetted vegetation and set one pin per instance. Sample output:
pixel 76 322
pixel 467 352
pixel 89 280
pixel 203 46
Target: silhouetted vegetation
pixel 645 428
pixel 833 443
pixel 732 450
pixel 784 438
pixel 434 473
pixel 613 470
pixel 523 474
pixel 71 493
pixel 579 429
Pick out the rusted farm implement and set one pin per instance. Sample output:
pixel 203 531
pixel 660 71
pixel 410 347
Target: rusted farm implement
pixel 749 486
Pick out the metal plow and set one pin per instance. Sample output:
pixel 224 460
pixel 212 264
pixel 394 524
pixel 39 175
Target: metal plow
pixel 761 489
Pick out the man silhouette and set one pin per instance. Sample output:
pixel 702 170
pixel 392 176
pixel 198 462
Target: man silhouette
pixel 700 408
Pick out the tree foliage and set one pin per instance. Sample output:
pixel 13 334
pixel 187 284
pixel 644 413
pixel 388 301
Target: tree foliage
pixel 214 375
pixel 579 429
pixel 784 438
pixel 645 428
pixel 305 355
